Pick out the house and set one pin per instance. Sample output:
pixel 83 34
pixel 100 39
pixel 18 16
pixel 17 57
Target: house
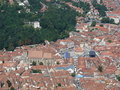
pixel 43 9
pixel 115 15
pixel 68 42
pixel 79 20
pixel 11 1
pixel 10 66
pixel 82 27
pixel 37 24
pixel 79 50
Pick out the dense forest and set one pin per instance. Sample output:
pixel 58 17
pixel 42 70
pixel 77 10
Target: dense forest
pixel 56 23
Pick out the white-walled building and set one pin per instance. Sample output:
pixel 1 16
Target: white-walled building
pixel 37 24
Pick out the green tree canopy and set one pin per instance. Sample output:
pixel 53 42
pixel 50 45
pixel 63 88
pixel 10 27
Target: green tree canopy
pixel 84 5
pixel 36 71
pixel 101 8
pixel 118 78
pixel 93 24
pixel 41 63
pixel 9 83
pixel 12 88
pixel 107 20
pixel 73 74
pixel 59 84
pixel 34 63
pixel 56 23
pixel 100 68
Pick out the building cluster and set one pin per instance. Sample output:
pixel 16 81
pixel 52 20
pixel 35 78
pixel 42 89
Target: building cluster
pixel 114 7
pixel 111 4
pixel 115 15
pixel 52 66
pixel 88 59
pixel 93 13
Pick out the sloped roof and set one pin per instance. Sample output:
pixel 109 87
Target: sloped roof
pixel 35 54
pixel 65 68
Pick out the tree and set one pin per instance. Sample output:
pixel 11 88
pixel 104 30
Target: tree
pixel 16 30
pixel 94 1
pixel 2 84
pixel 58 63
pixel 36 71
pixel 112 21
pixel 34 63
pixel 35 5
pixel 100 68
pixel 107 20
pixel 20 42
pixel 101 1
pixel 41 63
pixel 73 74
pixel 27 41
pixel 59 84
pixel 9 83
pixel 101 8
pixel 93 23
pixel 118 78
pixel 84 5
pixel 12 88
pixel 38 88
pixel 110 41
pixel 11 47
pixel 101 25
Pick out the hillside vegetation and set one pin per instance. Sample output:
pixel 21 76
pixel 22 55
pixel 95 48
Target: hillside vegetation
pixel 55 22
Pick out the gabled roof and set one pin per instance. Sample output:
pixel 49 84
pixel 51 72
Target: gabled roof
pixel 35 54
